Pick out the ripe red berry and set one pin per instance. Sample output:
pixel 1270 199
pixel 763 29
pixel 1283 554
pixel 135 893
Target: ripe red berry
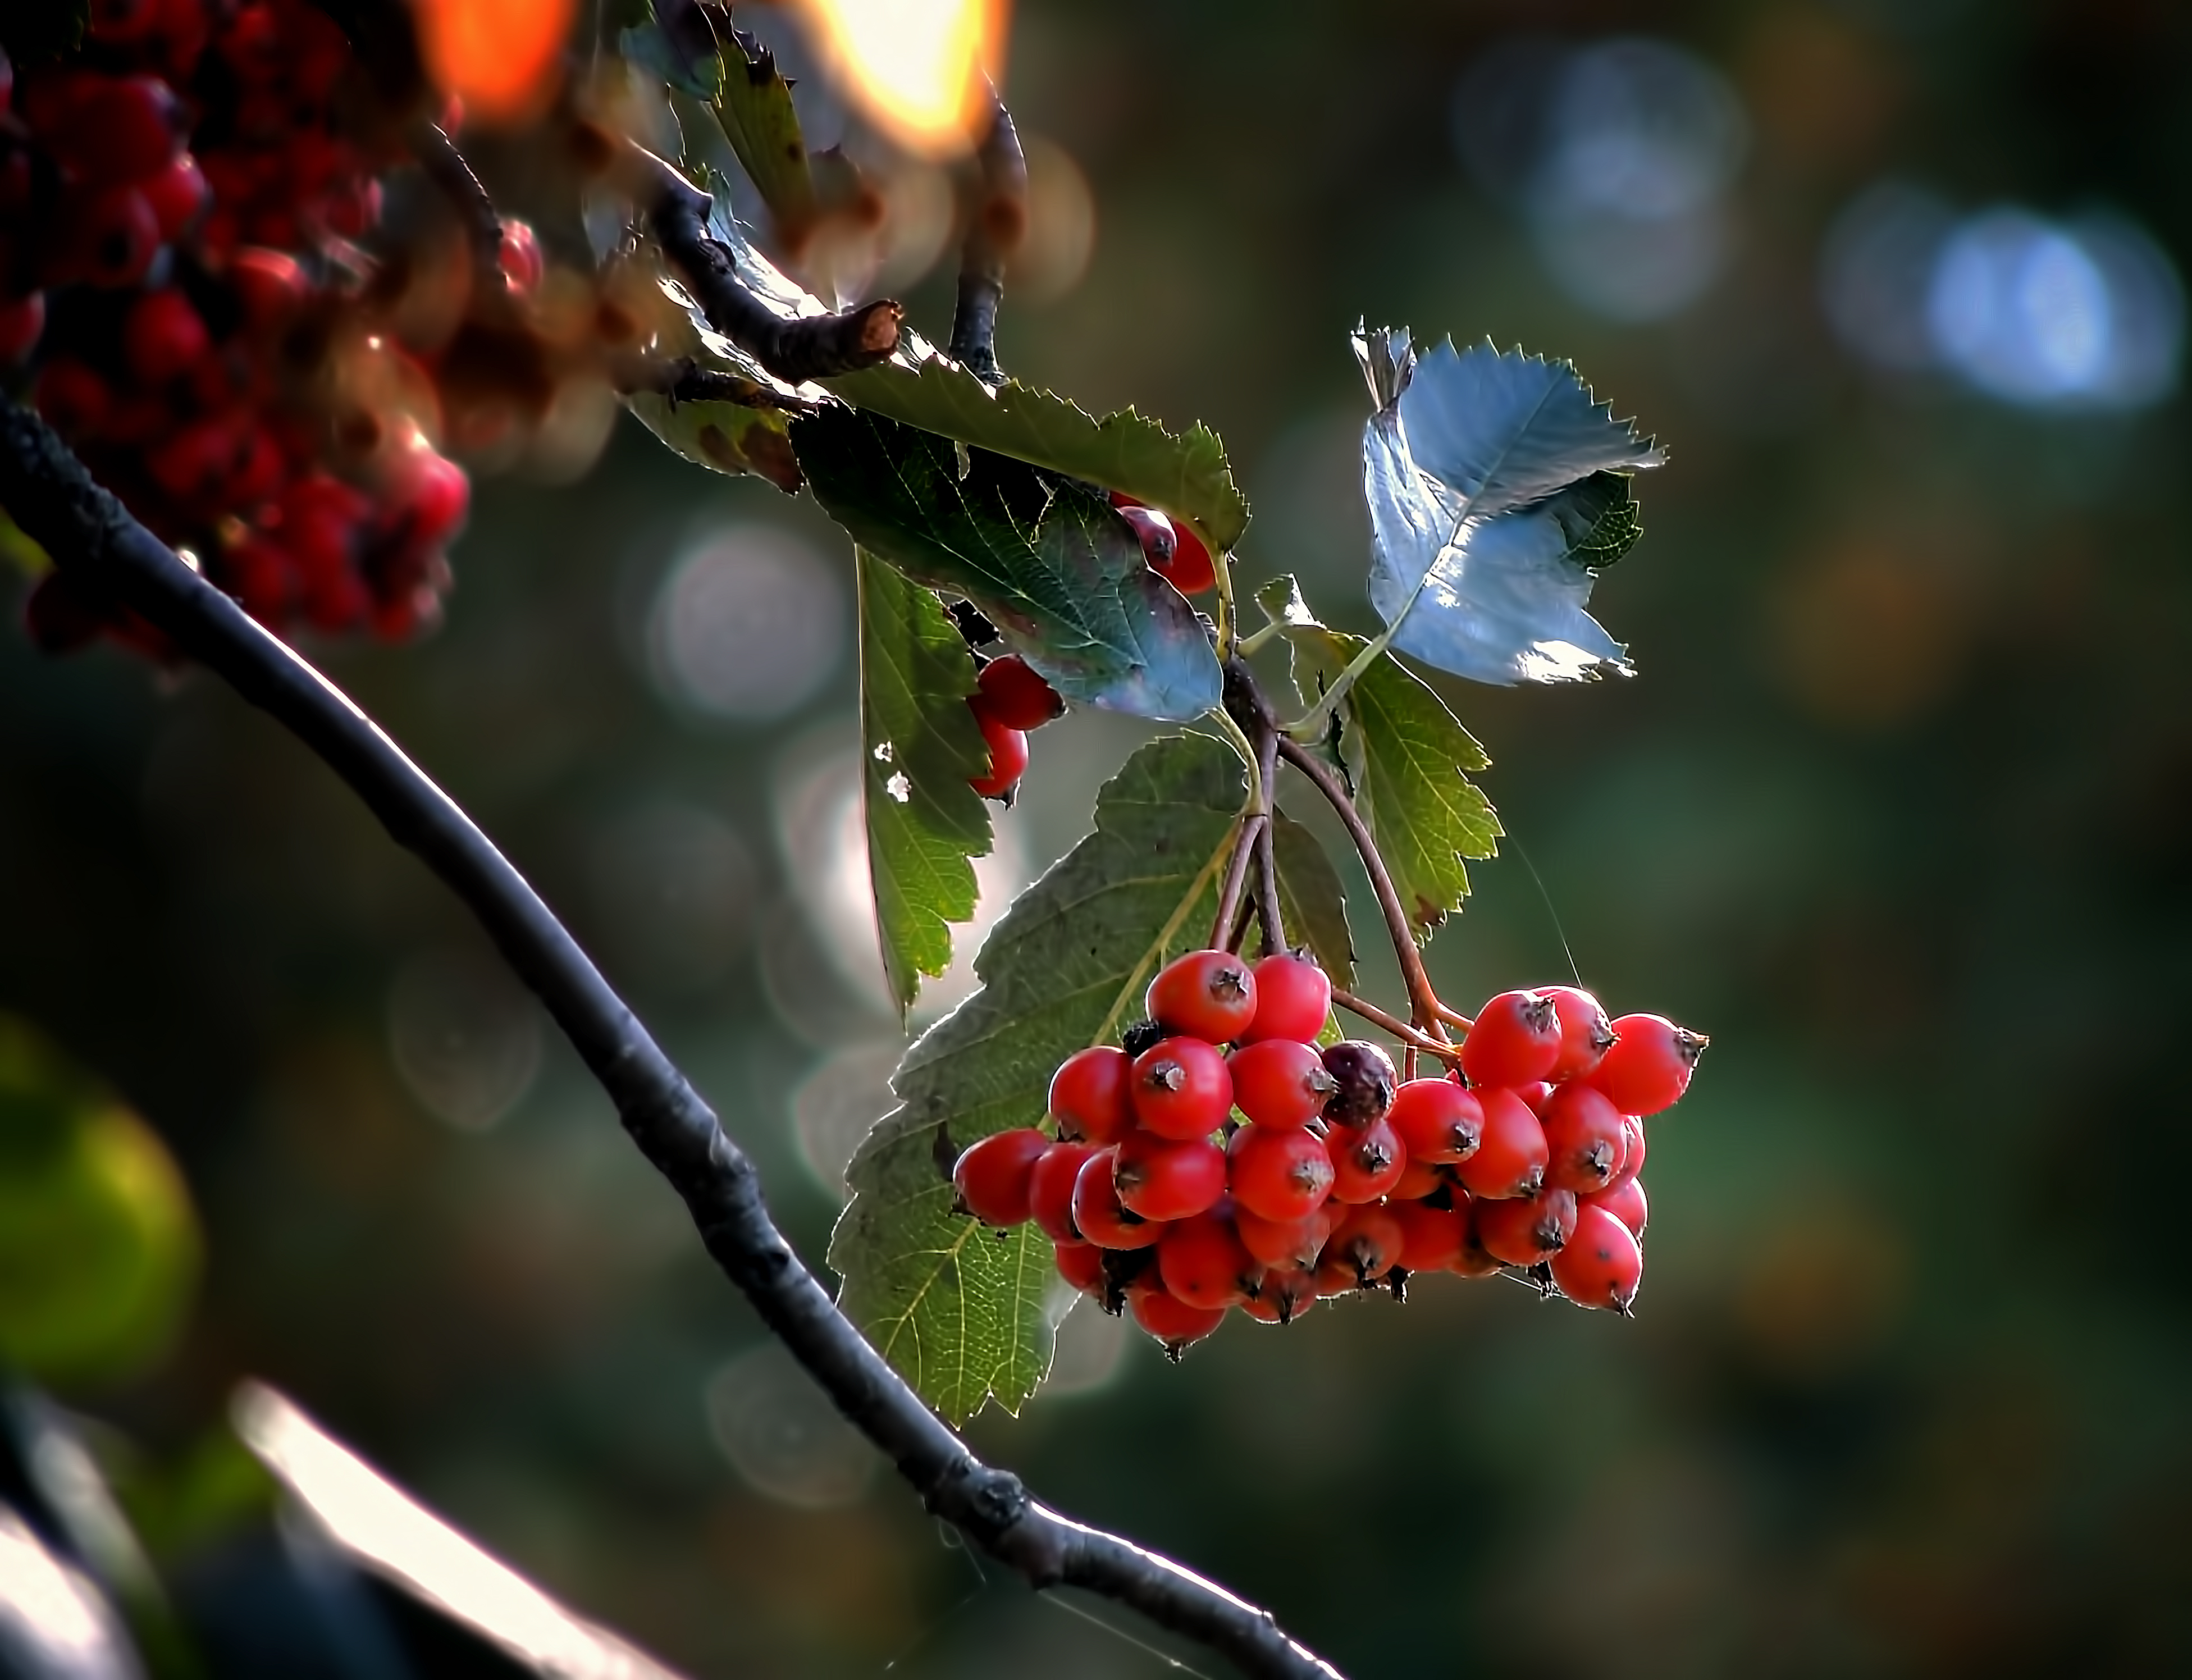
pixel 1437 1120
pixel 1649 1066
pixel 1088 1096
pixel 1280 1082
pixel 1534 1093
pixel 1363 1247
pixel 992 1176
pixel 1283 1295
pixel 1008 759
pixel 107 239
pixel 1014 694
pixel 1632 1152
pixel 1050 1190
pixel 22 323
pixel 1181 1089
pixel 163 337
pixel 1162 1179
pixel 1294 999
pixel 1510 1157
pixel 1365 1081
pixel 1583 1137
pixel 1527 1229
pixel 193 464
pixel 1171 1320
pixel 1098 1214
pixel 1279 1175
pixel 1602 1264
pixel 1082 1264
pixel 75 401
pixel 269 285
pixel 112 130
pixel 1626 1203
pixel 1418 1179
pixel 1585 1033
pixel 1286 1244
pixel 521 264
pixel 1189 570
pixel 1207 994
pixel 1366 1160
pixel 1431 1238
pixel 178 195
pixel 1203 1263
pixel 1516 1037
pixel 1159 540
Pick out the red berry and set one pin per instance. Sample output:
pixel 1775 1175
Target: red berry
pixel 1181 1089
pixel 1476 1261
pixel 193 464
pixel 1209 994
pixel 1088 1095
pixel 1159 540
pixel 1534 1093
pixel 1366 1160
pixel 1364 1075
pixel 1014 694
pixel 1283 1295
pixel 121 22
pixel 1280 1175
pixel 1526 1230
pixel 1626 1203
pixel 1189 570
pixel 1649 1066
pixel 521 264
pixel 1362 1247
pixel 992 1176
pixel 1632 1152
pixel 178 195
pixel 1082 1264
pixel 434 494
pixel 1510 1157
pixel 22 323
pixel 1162 1179
pixel 1437 1120
pixel 74 400
pixel 268 284
pixel 1585 1034
pixel 107 239
pixel 1418 1179
pixel 1293 1242
pixel 1294 999
pixel 163 337
pixel 1203 1263
pixel 112 130
pixel 1050 1190
pixel 1431 1238
pixel 1583 1137
pixel 1279 1081
pixel 1098 1214
pixel 1601 1265
pixel 1008 759
pixel 1516 1038
pixel 1171 1320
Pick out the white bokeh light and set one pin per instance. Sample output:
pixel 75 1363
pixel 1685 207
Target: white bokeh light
pixel 1877 269
pixel 782 1433
pixel 465 1037
pixel 747 625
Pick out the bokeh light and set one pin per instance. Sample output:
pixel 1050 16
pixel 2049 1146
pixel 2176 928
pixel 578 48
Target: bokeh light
pixel 780 1432
pixel 464 1035
pixel 500 57
pixel 747 625
pixel 915 66
pixel 672 890
pixel 1053 254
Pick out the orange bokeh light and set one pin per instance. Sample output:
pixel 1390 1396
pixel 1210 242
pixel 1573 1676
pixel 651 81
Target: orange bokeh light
pixel 502 58
pixel 916 66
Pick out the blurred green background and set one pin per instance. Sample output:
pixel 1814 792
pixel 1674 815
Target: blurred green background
pixel 1899 809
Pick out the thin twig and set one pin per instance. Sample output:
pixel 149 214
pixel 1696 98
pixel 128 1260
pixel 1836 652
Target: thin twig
pixel 87 533
pixel 1393 1024
pixel 1423 1000
pixel 795 350
pixel 1255 826
pixel 1455 1018
pixel 445 165
pixel 1268 908
pixel 993 229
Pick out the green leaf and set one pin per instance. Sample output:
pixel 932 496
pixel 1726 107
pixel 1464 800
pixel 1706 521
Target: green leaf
pixel 728 437
pixel 755 112
pixel 921 743
pixel 1406 758
pixel 690 65
pixel 1600 519
pixel 1312 901
pixel 1186 476
pixel 966 1313
pixel 1050 562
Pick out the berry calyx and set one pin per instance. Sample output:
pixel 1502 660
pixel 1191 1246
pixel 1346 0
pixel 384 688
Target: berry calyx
pixel 1526 1230
pixel 1363 1247
pixel 1283 1295
pixel 1294 999
pixel 1280 1082
pixel 1209 994
pixel 1171 1320
pixel 1586 1035
pixel 1098 1214
pixel 1204 1263
pixel 1279 1174
pixel 1158 539
pixel 1008 757
pixel 1289 1243
pixel 1013 694
pixel 1181 1089
pixel 991 1178
pixel 1160 1180
pixel 1088 1095
pixel 1363 1075
pixel 1600 1264
pixel 1511 1155
pixel 1583 1140
pixel 1050 1190
pixel 1438 1121
pixel 1516 1039
pixel 1649 1066
pixel 1366 1160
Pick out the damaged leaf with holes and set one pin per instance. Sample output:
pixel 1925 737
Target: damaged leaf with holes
pixel 964 1313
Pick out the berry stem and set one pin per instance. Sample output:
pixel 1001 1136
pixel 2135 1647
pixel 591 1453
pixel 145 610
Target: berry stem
pixel 87 533
pixel 1228 926
pixel 1268 911
pixel 1423 1001
pixel 444 165
pixel 1412 1040
pixel 1454 1018
pixel 992 231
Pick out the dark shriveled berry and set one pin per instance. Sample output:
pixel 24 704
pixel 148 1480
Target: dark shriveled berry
pixel 1365 1081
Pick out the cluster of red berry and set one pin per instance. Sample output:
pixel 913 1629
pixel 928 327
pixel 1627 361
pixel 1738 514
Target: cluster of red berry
pixel 1175 555
pixel 176 206
pixel 1182 1180
pixel 1012 699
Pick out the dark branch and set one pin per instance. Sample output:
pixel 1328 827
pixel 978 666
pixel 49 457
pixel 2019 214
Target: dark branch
pixel 809 347
pixel 91 535
pixel 999 219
